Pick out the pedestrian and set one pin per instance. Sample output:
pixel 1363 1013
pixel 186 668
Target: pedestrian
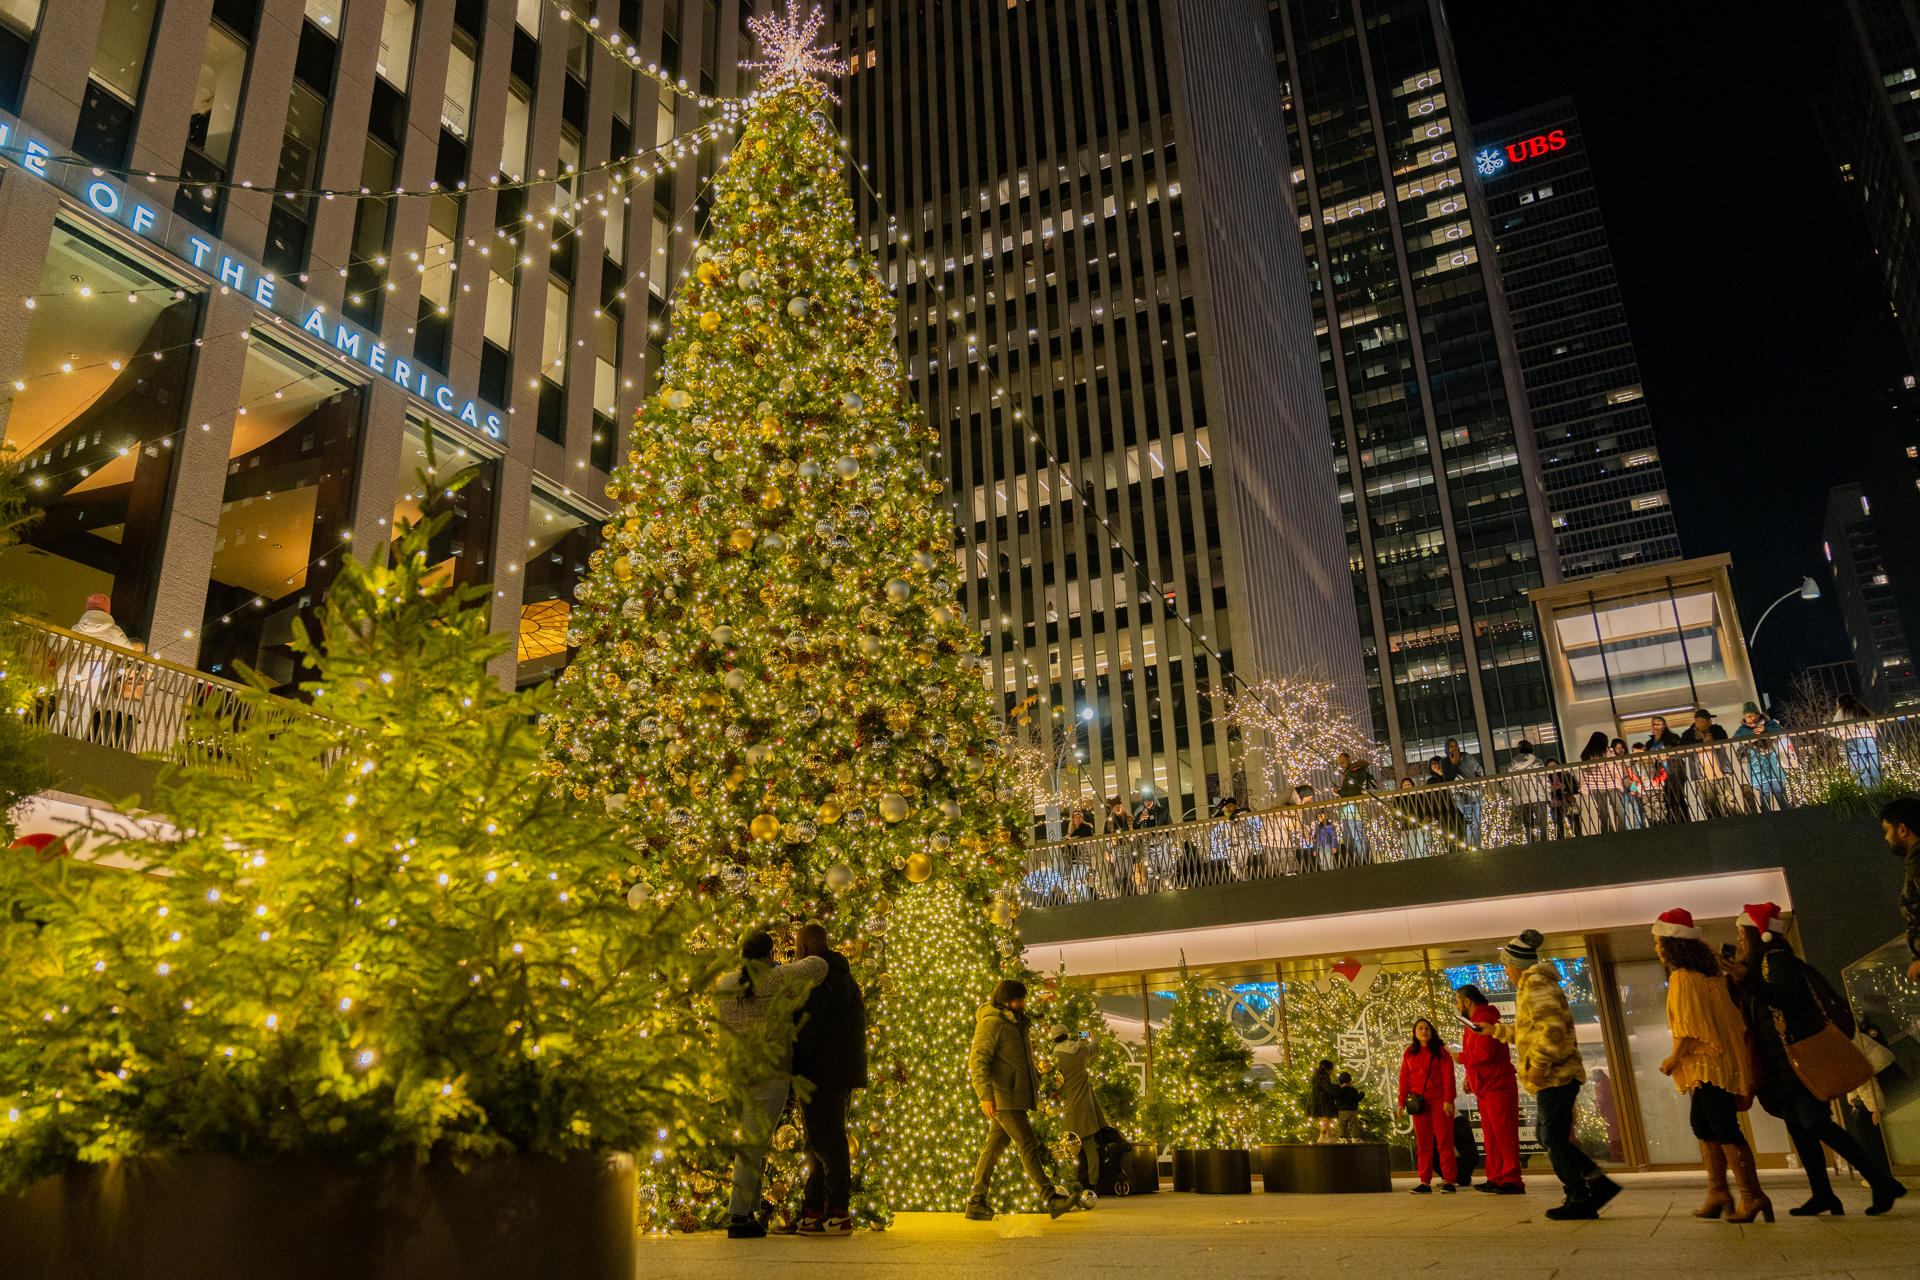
pixel 1900 823
pixel 1326 840
pixel 1356 780
pixel 1653 791
pixel 1600 779
pixel 831 1052
pixel 1674 783
pixel 1073 1061
pixel 1633 816
pixel 1415 835
pixel 1081 828
pixel 1119 821
pixel 1765 775
pixel 1563 798
pixel 1441 809
pixel 1000 1067
pixel 1495 1086
pixel 748 996
pixel 1796 1004
pixel 88 678
pixel 1346 1101
pixel 1323 1102
pixel 1709 1064
pixel 1528 782
pixel 1858 739
pixel 1426 1094
pixel 1551 1070
pixel 1707 767
pixel 1461 765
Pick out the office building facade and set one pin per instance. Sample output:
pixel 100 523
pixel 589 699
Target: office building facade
pixel 1857 542
pixel 1447 526
pixel 231 359
pixel 1606 488
pixel 1082 206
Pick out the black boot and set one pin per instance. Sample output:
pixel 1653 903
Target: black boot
pixel 1885 1191
pixel 979 1211
pixel 743 1226
pixel 1822 1202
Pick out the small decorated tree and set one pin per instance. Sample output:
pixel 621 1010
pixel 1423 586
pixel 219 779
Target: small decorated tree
pixel 379 938
pixel 1298 729
pixel 1202 1097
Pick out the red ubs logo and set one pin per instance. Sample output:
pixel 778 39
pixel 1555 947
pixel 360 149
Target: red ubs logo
pixel 1538 145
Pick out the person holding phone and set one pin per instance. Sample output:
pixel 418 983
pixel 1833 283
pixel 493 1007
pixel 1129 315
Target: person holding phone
pixel 1492 1079
pixel 1426 1094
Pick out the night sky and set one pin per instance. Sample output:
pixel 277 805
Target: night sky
pixel 1748 280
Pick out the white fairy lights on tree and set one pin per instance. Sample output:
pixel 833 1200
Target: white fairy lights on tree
pixel 1298 730
pixel 792 57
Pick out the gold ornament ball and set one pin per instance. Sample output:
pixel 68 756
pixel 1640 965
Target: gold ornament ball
pixel 771 500
pixel 829 812
pixel 919 868
pixel 764 827
pixel 709 321
pixel 740 539
pixel 893 807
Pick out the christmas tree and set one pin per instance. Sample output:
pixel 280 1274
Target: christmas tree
pixel 774 686
pixel 23 768
pixel 382 937
pixel 1202 1096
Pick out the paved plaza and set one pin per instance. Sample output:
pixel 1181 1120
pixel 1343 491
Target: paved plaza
pixel 1647 1231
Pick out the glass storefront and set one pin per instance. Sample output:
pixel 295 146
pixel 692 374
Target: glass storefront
pixel 452 479
pixel 92 424
pixel 1358 1010
pixel 285 514
pixel 559 540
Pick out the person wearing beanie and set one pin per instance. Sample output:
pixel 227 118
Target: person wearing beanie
pixel 1549 1066
pixel 1709 1065
pixel 1073 1060
pixel 1793 1001
pixel 1492 1081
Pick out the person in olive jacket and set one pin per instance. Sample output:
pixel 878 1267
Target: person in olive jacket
pixel 830 1050
pixel 1000 1068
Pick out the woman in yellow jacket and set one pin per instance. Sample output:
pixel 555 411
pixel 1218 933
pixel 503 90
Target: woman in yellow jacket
pixel 1709 1064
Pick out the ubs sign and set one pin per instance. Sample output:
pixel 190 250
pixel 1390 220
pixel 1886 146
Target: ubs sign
pixel 155 223
pixel 1492 160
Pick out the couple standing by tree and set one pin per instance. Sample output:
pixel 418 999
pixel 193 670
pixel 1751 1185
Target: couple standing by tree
pixel 828 1049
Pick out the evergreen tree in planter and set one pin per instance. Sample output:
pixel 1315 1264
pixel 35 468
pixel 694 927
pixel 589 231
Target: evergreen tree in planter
pixel 776 685
pixel 1201 1098
pixel 380 938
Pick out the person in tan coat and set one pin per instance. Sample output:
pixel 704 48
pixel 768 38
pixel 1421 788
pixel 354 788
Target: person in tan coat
pixel 1000 1068
pixel 1549 1064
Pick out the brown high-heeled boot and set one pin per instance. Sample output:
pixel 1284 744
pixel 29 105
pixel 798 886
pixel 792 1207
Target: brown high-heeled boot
pixel 1719 1199
pixel 1753 1201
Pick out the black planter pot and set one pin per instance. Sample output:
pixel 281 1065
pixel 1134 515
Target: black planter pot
pixel 1145 1175
pixel 194 1216
pixel 1222 1173
pixel 1182 1169
pixel 1332 1168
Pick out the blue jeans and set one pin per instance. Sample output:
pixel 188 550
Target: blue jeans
pixel 1863 756
pixel 1469 807
pixel 765 1102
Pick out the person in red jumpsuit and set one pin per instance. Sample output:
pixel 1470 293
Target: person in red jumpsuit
pixel 1492 1080
pixel 1426 1073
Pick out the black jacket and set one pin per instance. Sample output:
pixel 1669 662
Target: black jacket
pixel 1346 1097
pixel 831 1047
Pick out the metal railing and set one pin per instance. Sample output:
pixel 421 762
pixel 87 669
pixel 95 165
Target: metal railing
pixel 92 691
pixel 1765 773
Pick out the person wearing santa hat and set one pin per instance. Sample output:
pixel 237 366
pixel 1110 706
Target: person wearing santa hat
pixel 1794 1001
pixel 1492 1080
pixel 1709 1065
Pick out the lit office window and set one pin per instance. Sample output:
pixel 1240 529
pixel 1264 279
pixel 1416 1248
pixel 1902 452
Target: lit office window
pixel 396 43
pixel 559 540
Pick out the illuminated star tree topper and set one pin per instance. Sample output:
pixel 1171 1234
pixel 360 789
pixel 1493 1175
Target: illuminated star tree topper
pixel 787 40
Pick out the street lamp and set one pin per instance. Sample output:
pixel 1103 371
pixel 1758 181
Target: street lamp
pixel 1807 590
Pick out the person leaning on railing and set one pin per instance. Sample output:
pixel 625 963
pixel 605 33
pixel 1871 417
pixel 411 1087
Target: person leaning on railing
pixel 1859 741
pixel 1764 772
pixel 1673 790
pixel 1527 780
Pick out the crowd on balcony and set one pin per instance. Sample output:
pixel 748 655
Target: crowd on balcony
pixel 1696 774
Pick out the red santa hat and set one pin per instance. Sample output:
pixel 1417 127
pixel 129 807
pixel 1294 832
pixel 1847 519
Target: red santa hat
pixel 1765 916
pixel 1677 923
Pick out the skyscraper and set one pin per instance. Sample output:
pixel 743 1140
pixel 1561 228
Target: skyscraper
pixel 1446 515
pixel 1869 607
pixel 1606 488
pixel 1082 205
pixel 1870 116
